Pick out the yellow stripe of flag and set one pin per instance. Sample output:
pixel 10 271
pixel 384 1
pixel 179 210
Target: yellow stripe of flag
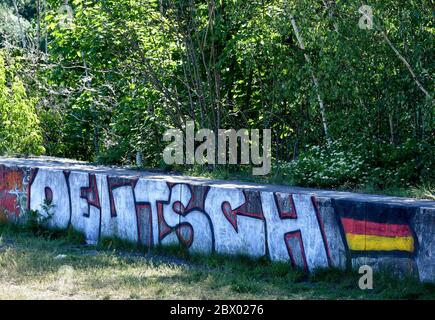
pixel 361 242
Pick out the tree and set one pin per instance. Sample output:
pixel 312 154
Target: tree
pixel 19 126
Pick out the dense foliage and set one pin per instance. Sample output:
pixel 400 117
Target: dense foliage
pixel 19 130
pixel 347 106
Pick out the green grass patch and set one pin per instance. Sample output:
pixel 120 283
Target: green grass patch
pixel 30 267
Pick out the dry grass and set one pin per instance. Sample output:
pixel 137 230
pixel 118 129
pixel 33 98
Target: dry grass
pixel 32 268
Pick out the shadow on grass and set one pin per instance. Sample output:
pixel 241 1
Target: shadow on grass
pixel 121 264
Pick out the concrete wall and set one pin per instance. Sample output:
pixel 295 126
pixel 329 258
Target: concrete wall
pixel 309 228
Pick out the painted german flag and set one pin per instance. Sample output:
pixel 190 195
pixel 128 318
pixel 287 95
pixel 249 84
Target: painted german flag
pixel 378 227
pixel 364 235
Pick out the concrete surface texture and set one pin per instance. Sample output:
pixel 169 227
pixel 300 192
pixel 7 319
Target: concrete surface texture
pixel 307 227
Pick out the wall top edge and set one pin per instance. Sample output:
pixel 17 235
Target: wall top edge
pixel 78 166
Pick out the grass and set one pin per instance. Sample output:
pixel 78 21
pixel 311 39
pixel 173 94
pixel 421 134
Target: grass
pixel 33 267
pixel 424 191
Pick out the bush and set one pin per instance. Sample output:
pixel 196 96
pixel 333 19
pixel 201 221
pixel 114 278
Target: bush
pixel 35 222
pixel 410 163
pixel 330 166
pixel 376 164
pixel 19 126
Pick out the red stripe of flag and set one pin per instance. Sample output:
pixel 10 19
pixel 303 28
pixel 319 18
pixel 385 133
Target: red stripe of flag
pixel 375 228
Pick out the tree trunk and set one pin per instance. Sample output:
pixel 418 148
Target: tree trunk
pixel 38 26
pixel 96 137
pixel 402 58
pixel 314 79
pixel 392 135
pixel 22 35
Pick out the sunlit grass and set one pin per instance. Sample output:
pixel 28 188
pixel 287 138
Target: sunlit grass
pixel 30 269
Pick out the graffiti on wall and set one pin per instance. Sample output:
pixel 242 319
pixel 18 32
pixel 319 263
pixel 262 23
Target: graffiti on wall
pixel 13 192
pixel 377 230
pixel 281 226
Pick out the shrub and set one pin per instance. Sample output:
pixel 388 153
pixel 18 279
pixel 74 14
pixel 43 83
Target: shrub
pixel 329 166
pixel 19 126
pixel 376 164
